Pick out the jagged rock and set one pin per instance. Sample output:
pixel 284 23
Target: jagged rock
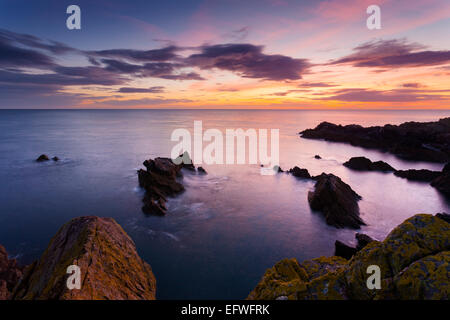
pixel 10 274
pixel 110 267
pixel 337 201
pixel 343 250
pixel 421 141
pixel 42 157
pixel 317 156
pixel 364 164
pixel 414 260
pixel 363 240
pixel 300 173
pixel 424 175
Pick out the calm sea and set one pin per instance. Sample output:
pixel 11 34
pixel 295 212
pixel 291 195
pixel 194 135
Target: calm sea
pixel 229 226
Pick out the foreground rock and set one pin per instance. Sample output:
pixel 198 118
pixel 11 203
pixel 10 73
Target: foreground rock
pixel 421 141
pixel 345 251
pixel 336 200
pixel 10 274
pixel 364 164
pixel 160 181
pixel 414 260
pixel 110 267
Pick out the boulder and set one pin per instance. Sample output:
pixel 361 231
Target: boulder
pixel 414 260
pixel 423 175
pixel 343 250
pixel 364 164
pixel 300 173
pixel 420 141
pixel 10 274
pixel 337 201
pixel 110 267
pixel 42 157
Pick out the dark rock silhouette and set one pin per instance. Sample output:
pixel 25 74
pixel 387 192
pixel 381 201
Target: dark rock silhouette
pixel 201 170
pixel 317 156
pixel 418 175
pixel 343 250
pixel 42 157
pixel 421 141
pixel 300 173
pixel 364 164
pixel 363 240
pixel 336 200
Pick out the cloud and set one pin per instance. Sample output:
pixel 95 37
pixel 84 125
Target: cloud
pixel 157 89
pixel 398 95
pixel 316 85
pixel 393 54
pixel 248 61
pixel 411 85
pixel 13 56
pixel 141 102
pixel 163 54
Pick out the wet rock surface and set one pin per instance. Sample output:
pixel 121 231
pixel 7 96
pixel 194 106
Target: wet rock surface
pixel 109 265
pixel 421 141
pixel 414 260
pixel 336 200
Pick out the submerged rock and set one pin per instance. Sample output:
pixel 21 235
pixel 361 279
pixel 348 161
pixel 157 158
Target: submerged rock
pixel 421 141
pixel 43 157
pixel 336 200
pixel 423 175
pixel 414 260
pixel 300 173
pixel 317 156
pixel 364 164
pixel 110 267
pixel 10 274
pixel 55 159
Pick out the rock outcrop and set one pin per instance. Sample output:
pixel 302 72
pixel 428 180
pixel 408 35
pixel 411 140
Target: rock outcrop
pixel 364 164
pixel 10 274
pixel 160 180
pixel 421 141
pixel 423 175
pixel 414 261
pixel 109 265
pixel 336 200
pixel 300 173
pixel 442 182
pixel 42 157
pixel 343 250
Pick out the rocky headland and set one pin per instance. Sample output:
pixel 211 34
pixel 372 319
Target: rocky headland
pixel 414 260
pixel 421 141
pixel 110 266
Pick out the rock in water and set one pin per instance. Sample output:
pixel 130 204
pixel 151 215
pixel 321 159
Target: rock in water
pixel 343 250
pixel 10 274
pixel 364 164
pixel 110 267
pixel 300 173
pixel 442 183
pixel 201 170
pixel 424 175
pixel 414 260
pixel 336 200
pixel 421 141
pixel 317 157
pixel 159 182
pixel 42 157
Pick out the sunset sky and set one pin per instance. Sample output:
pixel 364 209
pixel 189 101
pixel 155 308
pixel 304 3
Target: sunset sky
pixel 225 54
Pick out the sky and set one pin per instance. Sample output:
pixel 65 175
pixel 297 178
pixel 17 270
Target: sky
pixel 225 54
